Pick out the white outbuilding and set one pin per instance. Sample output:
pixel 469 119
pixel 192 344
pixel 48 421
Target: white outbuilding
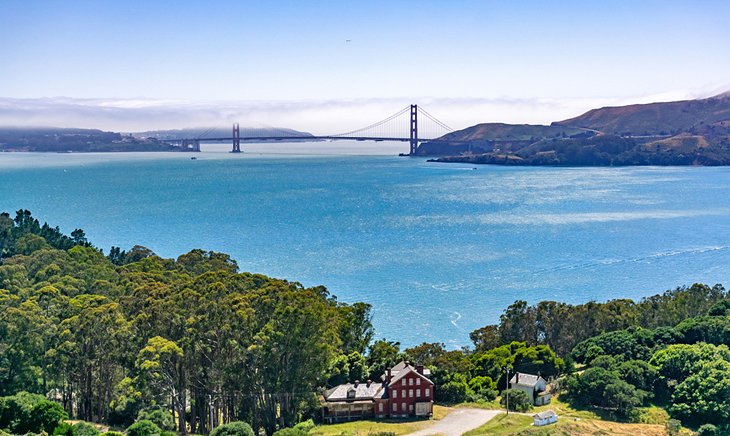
pixel 544 418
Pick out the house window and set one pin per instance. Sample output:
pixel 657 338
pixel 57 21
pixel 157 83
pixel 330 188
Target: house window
pixel 395 393
pixel 403 408
pixel 380 407
pixel 395 407
pixel 418 382
pixel 428 392
pixel 410 393
pixel 418 392
pixel 410 381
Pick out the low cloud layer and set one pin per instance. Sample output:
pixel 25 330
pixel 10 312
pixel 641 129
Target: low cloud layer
pixel 318 117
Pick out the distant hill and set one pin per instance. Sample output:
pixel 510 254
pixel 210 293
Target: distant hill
pixel 691 132
pixel 53 139
pixel 202 133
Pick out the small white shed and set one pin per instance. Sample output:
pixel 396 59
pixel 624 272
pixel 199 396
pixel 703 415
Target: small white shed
pixel 545 418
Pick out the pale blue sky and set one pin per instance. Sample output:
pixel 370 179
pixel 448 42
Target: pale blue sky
pixel 568 55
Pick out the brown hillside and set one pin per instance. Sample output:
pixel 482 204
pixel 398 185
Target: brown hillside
pixel 654 118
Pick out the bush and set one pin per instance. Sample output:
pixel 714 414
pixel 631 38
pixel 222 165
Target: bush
pixel 63 429
pixel 707 430
pixel 236 428
pixel 453 392
pixel 290 432
pixel 15 412
pixel 112 433
pixel 305 425
pixel 46 416
pixel 144 427
pixel 84 429
pixel 161 418
pixel 519 401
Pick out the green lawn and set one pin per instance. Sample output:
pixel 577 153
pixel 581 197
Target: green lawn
pixel 365 427
pixel 503 424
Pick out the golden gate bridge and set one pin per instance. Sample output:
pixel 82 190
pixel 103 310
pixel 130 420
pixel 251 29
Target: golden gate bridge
pixel 404 126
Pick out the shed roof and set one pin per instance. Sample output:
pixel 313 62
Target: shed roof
pixel 545 414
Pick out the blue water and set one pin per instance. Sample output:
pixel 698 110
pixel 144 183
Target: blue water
pixel 438 249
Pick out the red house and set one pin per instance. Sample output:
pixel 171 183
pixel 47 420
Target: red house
pixel 406 391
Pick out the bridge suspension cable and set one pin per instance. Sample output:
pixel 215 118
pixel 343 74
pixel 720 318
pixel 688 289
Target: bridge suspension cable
pixel 397 126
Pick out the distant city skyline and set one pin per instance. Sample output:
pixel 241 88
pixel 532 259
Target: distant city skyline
pixel 327 66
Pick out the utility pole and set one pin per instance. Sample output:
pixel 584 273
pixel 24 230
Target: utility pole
pixel 507 389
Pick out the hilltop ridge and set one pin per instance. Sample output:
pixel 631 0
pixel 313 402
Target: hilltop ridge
pixel 687 132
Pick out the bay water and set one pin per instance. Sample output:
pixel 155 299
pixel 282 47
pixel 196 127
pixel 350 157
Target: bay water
pixel 438 249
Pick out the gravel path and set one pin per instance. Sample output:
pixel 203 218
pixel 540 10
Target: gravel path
pixel 458 422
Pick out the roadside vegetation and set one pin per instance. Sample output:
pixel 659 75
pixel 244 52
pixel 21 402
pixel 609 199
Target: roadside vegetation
pixel 145 344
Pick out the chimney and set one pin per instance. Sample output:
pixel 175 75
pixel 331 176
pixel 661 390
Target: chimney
pixel 357 382
pixel 368 383
pixel 419 369
pixel 517 378
pixel 387 379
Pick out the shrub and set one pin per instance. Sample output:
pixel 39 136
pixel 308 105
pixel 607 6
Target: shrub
pixel 290 432
pixel 236 428
pixel 305 425
pixel 707 430
pixel 84 429
pixel 112 433
pixel 63 429
pixel 519 401
pixel 161 418
pixel 453 392
pixel 46 415
pixel 143 428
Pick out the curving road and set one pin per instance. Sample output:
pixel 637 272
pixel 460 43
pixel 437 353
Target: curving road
pixel 458 422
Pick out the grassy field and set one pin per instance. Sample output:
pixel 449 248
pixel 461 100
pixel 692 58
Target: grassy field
pixel 365 427
pixel 503 424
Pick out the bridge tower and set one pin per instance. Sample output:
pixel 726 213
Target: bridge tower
pixel 236 138
pixel 414 129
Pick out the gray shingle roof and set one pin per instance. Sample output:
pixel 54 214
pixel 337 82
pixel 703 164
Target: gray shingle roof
pixel 528 380
pixel 362 392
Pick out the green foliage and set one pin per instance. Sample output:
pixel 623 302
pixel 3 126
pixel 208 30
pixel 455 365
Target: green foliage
pixel 84 429
pixel 290 432
pixel 601 387
pixel 24 413
pixel 46 415
pixel 236 428
pixel 704 396
pixel 161 418
pixel 63 429
pixel 562 326
pixel 453 392
pixel 707 430
pixel 305 426
pixel 112 433
pixel 143 428
pixel 383 355
pixel 518 400
pixel 721 308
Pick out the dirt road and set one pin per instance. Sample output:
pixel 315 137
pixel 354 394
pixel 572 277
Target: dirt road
pixel 458 422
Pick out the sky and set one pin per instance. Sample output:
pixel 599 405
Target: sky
pixel 330 66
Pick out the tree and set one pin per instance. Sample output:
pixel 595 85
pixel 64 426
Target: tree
pixel 486 338
pixel 383 355
pixel 704 396
pixel 519 401
pixel 623 397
